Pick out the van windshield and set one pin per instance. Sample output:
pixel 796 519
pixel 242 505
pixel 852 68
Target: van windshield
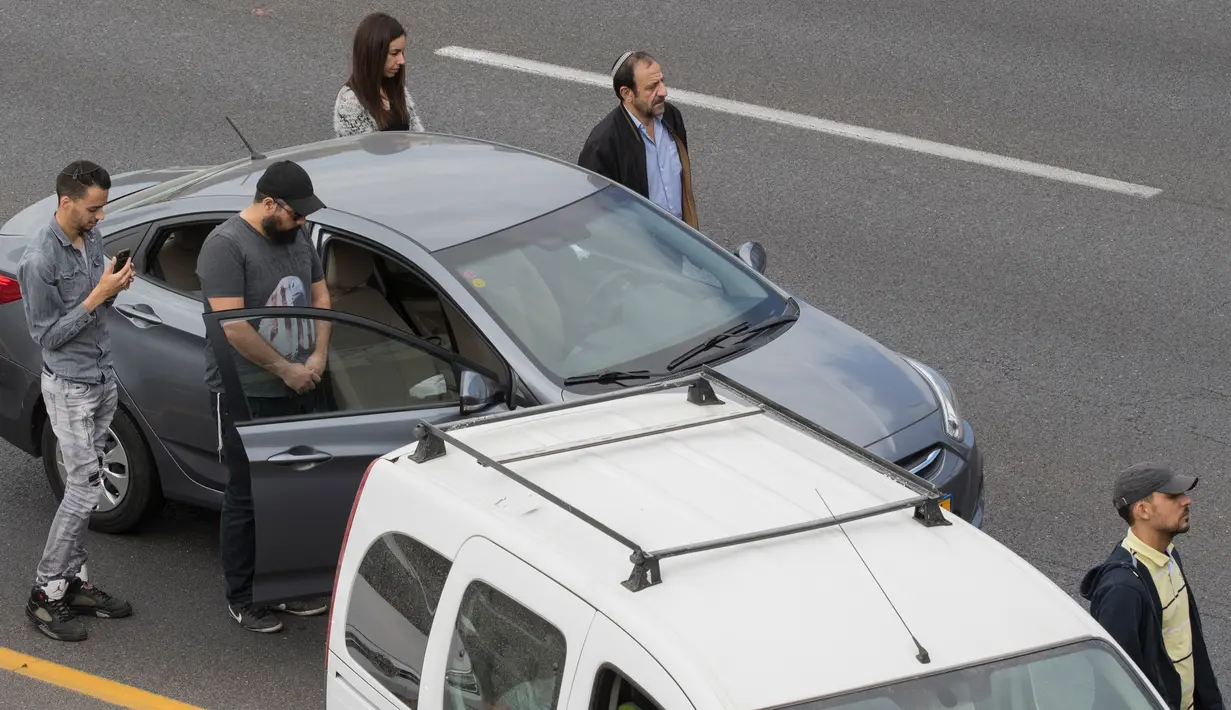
pixel 608 282
pixel 1082 676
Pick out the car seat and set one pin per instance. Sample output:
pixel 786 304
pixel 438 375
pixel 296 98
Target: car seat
pixel 177 257
pixel 367 370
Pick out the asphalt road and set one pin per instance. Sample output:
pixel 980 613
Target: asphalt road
pixel 21 693
pixel 1079 327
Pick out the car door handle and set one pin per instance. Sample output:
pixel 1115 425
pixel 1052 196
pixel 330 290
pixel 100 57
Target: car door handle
pixel 141 312
pixel 299 455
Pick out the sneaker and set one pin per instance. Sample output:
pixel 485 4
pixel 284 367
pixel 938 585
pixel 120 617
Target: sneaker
pixel 84 599
pixel 258 619
pixel 305 607
pixel 53 617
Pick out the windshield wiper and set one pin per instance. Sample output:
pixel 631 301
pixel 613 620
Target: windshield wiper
pixel 769 323
pixel 607 377
pixel 742 329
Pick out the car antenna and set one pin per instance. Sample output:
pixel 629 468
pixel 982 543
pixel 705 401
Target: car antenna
pixel 922 656
pixel 251 151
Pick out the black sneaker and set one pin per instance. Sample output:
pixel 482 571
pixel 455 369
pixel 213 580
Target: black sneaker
pixel 84 599
pixel 53 617
pixel 305 607
pixel 258 619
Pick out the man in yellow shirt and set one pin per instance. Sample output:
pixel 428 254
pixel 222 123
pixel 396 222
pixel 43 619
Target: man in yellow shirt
pixel 1141 597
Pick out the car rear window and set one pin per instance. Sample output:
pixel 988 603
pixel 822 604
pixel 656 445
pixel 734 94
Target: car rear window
pixel 1084 676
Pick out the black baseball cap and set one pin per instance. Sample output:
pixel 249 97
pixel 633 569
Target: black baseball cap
pixel 1144 479
pixel 285 180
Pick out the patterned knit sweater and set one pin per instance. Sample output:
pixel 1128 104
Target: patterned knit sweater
pixel 351 118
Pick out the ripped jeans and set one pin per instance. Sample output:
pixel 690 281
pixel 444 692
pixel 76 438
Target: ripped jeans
pixel 80 415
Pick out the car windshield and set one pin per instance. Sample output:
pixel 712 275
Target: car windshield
pixel 609 283
pixel 1084 676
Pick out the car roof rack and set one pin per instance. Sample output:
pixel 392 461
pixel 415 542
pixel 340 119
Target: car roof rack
pixel 646 569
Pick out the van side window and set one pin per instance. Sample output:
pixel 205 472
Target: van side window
pixel 504 656
pixel 613 691
pixel 392 604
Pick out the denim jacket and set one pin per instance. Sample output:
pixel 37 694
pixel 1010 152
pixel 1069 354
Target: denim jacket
pixel 55 279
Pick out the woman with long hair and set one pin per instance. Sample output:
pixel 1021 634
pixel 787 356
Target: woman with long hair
pixel 376 96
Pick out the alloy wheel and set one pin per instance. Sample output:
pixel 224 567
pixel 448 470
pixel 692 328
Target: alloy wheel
pixel 115 472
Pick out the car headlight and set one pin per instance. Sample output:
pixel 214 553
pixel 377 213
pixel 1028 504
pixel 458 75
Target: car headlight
pixel 944 394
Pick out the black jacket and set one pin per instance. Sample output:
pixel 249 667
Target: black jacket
pixel 615 150
pixel 1125 601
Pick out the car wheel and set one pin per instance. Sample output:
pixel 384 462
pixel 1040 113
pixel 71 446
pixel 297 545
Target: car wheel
pixel 131 491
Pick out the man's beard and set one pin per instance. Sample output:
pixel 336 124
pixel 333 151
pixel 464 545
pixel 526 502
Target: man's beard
pixel 84 228
pixel 1177 528
pixel 269 226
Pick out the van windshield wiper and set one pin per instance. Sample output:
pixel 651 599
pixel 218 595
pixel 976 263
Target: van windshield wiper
pixel 742 329
pixel 607 377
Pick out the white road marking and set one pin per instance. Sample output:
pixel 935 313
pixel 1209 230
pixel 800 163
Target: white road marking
pixel 810 123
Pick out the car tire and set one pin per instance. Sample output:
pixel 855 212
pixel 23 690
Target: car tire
pixel 143 494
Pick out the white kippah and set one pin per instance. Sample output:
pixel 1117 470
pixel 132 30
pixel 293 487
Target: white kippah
pixel 623 58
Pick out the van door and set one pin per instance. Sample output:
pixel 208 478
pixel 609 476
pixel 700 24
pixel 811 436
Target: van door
pixel 347 690
pixel 505 636
pixel 617 673
pixel 306 464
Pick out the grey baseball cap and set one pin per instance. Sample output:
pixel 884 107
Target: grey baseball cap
pixel 1141 480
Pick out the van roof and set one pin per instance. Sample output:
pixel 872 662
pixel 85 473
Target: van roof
pixel 767 622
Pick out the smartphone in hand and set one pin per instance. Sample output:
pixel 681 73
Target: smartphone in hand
pixel 120 260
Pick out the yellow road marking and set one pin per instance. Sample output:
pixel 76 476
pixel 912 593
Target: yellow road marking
pixel 110 691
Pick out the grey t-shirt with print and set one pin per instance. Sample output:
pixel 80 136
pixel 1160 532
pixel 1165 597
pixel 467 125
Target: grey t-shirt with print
pixel 237 260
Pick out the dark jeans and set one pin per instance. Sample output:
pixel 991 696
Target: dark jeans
pixel 237 531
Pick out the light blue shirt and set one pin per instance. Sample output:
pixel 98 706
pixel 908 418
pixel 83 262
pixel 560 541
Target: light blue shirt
pixel 663 169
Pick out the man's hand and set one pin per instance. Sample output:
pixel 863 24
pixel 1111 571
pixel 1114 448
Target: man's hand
pixel 298 377
pixel 316 363
pixel 110 284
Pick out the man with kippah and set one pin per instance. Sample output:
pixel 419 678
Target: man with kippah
pixel 642 143
pixel 1140 595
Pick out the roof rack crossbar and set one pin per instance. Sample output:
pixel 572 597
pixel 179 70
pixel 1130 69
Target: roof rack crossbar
pixel 646 565
pixel 646 569
pixel 628 436
pixel 772 533
pixel 427 431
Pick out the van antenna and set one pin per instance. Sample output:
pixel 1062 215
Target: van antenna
pixel 251 151
pixel 922 656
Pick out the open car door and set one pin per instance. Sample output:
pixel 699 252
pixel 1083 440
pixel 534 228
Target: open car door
pixel 379 382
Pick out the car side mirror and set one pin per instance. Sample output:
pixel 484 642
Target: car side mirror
pixel 753 254
pixel 478 392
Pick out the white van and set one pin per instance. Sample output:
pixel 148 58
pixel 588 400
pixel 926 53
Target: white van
pixel 660 550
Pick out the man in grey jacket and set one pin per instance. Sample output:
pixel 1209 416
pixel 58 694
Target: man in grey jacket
pixel 67 284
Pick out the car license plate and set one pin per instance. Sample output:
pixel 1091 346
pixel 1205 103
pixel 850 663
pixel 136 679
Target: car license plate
pixel 947 502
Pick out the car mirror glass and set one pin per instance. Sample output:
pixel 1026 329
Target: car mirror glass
pixel 754 255
pixel 478 392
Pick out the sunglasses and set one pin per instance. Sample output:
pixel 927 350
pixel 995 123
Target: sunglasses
pixel 77 173
pixel 294 215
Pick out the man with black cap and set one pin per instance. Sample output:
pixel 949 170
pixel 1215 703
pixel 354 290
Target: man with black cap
pixel 1140 595
pixel 263 257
